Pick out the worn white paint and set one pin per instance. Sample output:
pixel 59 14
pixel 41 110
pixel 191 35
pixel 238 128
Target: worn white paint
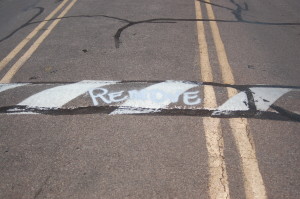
pixel 172 88
pixel 147 100
pixel 4 87
pixel 191 98
pixel 105 96
pixel 265 97
pixel 155 96
pixel 60 95
pixel 238 102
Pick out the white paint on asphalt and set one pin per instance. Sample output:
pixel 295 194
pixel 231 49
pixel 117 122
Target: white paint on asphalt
pixel 154 95
pixel 171 88
pixel 149 99
pixel 60 95
pixel 265 97
pixel 238 102
pixel 4 87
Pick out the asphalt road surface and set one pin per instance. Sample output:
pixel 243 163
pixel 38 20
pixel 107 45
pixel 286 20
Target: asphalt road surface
pixel 149 99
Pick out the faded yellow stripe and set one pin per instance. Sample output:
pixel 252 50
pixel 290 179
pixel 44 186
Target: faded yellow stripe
pixel 14 69
pixel 218 183
pixel 21 45
pixel 253 182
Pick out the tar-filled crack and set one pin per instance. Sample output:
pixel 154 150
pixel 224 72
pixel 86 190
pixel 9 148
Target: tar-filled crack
pixel 281 113
pixel 238 14
pixel 265 115
pixel 286 113
pixel 40 11
pixel 129 23
pixel 251 103
pixel 239 87
pixel 238 11
pixel 117 36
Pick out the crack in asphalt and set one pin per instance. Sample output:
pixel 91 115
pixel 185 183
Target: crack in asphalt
pixel 223 177
pixel 41 10
pixel 39 191
pixel 264 115
pixel 279 113
pixel 236 12
pixel 250 137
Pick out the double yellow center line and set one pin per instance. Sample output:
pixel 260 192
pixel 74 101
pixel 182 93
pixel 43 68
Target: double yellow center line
pixel 19 63
pixel 218 182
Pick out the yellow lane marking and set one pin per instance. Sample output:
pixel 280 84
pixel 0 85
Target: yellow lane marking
pixel 21 45
pixel 253 182
pixel 218 183
pixel 14 69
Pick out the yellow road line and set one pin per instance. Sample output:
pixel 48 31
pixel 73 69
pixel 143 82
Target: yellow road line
pixel 218 183
pixel 21 45
pixel 14 69
pixel 253 182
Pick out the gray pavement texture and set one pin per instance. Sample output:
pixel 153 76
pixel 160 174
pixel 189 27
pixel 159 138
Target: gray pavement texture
pixel 132 156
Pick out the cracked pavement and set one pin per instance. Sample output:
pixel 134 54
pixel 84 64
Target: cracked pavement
pixel 172 155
